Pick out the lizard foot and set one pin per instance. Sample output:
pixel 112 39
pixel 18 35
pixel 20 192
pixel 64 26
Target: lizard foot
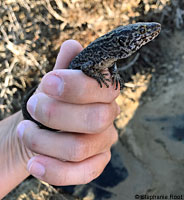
pixel 101 78
pixel 97 75
pixel 117 79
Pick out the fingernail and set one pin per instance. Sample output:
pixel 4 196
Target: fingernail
pixel 20 130
pixel 31 104
pixel 54 85
pixel 35 168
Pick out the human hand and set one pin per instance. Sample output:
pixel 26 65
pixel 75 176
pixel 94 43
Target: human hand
pixel 72 102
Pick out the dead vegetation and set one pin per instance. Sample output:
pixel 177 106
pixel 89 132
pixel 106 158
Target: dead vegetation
pixel 32 32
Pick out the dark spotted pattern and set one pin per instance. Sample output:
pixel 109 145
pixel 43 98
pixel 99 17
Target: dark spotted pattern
pixel 118 44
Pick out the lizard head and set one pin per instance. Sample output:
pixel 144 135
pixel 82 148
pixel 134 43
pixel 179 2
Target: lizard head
pixel 131 37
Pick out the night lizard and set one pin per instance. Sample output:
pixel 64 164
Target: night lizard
pixel 103 53
pixel 118 44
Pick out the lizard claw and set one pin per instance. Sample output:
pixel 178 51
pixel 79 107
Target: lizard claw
pixel 103 79
pixel 116 79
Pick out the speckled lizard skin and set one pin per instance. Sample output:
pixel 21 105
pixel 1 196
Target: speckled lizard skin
pixel 106 50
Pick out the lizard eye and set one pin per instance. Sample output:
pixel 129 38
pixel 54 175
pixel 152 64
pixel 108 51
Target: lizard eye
pixel 142 30
pixel 122 41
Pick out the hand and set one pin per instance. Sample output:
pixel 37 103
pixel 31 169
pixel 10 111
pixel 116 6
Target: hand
pixel 72 102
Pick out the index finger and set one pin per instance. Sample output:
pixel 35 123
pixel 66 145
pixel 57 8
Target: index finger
pixel 73 86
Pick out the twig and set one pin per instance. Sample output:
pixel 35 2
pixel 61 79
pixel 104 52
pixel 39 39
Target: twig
pixel 53 12
pixel 14 20
pixel 25 4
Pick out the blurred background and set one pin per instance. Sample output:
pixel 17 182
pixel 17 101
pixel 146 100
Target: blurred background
pixel 149 157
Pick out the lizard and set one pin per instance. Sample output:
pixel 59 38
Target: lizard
pixel 103 53
pixel 117 44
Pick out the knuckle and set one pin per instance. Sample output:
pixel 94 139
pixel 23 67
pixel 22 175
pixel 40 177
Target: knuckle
pixel 102 118
pixel 106 115
pixel 79 150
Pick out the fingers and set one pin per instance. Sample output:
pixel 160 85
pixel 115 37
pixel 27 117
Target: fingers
pixel 73 147
pixel 70 101
pixel 68 51
pixel 73 86
pixel 87 118
pixel 61 173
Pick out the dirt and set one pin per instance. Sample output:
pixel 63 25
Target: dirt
pixel 154 135
pixel 149 156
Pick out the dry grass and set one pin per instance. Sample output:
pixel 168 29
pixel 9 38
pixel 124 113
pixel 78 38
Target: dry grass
pixel 32 31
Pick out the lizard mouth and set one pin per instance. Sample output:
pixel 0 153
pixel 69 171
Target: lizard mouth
pixel 156 28
pixel 152 33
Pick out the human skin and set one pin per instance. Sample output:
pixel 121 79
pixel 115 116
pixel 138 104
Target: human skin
pixel 69 101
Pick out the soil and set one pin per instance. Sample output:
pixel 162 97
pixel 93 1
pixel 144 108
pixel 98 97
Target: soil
pixel 150 150
pixel 154 135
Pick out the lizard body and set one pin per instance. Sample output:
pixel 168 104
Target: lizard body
pixel 120 43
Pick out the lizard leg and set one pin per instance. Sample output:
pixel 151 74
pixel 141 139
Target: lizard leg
pixel 96 74
pixel 116 78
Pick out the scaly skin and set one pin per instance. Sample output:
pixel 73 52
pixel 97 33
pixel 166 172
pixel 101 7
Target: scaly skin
pixel 106 50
